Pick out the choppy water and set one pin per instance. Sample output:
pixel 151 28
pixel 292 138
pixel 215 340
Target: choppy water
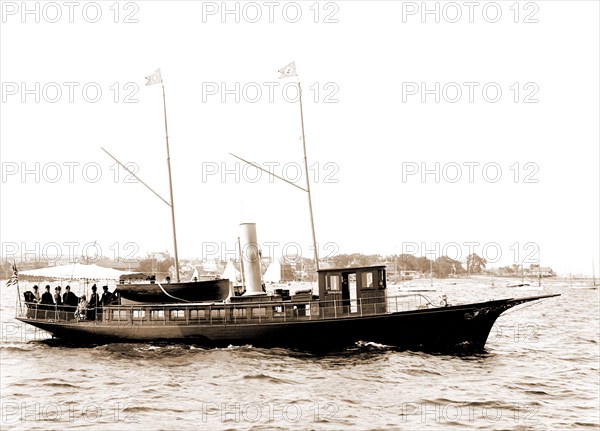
pixel 540 371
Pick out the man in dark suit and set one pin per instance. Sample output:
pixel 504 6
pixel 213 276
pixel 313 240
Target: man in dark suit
pixel 69 298
pixel 93 303
pixel 47 302
pixel 47 297
pixel 106 296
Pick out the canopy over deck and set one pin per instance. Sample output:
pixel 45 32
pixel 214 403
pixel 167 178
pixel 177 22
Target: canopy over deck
pixel 77 271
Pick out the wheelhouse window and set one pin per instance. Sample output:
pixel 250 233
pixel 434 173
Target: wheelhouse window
pixel 382 278
pixel 332 282
pixel 366 280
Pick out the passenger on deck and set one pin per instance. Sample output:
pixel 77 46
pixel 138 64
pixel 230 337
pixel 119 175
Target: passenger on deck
pixel 82 308
pixel 36 294
pixel 106 296
pixel 57 296
pixel 47 297
pixel 93 303
pixel 28 295
pixel 69 298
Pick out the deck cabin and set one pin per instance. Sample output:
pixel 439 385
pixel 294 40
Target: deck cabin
pixel 346 289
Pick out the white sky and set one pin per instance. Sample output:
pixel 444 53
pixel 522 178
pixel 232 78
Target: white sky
pixel 366 140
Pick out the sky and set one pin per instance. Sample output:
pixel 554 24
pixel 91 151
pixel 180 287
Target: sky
pixel 430 128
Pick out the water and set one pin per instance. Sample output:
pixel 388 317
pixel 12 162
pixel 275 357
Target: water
pixel 540 371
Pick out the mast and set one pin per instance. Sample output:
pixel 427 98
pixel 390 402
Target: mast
pixel 310 208
pixel 172 205
pixel 286 72
pixel 156 78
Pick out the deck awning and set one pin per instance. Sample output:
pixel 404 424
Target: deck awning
pixel 77 271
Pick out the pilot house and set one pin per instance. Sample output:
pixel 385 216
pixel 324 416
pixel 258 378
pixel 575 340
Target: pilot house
pixel 353 290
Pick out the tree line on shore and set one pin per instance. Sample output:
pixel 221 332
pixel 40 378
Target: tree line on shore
pixel 441 267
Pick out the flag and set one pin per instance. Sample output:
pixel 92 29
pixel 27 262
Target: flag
pixel 155 78
pixel 287 71
pixel 15 278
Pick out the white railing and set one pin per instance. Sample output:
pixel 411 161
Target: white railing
pixel 229 313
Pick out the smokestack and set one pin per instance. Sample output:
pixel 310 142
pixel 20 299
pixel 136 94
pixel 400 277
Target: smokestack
pixel 251 259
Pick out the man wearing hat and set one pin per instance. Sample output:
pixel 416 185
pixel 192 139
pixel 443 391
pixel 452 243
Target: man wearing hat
pixel 69 298
pixel 106 296
pixel 36 294
pixel 47 297
pixel 93 303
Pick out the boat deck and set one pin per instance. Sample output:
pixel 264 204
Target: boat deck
pixel 258 312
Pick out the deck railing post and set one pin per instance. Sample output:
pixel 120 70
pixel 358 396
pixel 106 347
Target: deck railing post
pixel 334 309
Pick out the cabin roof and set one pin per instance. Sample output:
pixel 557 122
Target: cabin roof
pixel 353 268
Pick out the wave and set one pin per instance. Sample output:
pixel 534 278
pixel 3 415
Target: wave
pixel 421 372
pixel 61 385
pixel 15 348
pixel 269 379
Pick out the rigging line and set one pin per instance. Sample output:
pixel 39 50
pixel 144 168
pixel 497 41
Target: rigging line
pixel 136 177
pixel 269 172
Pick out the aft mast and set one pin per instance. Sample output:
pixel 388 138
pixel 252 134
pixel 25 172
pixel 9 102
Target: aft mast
pixel 286 72
pixel 290 70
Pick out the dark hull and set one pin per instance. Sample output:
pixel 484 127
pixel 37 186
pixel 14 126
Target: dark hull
pixel 193 291
pixel 435 329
